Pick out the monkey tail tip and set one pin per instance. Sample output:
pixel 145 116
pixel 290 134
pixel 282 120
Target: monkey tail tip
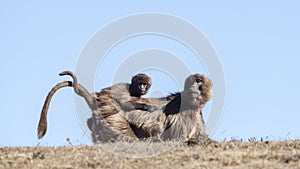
pixel 65 73
pixel 41 134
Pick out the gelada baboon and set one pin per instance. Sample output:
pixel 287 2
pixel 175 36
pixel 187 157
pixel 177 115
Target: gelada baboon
pixel 177 116
pixel 180 117
pixel 184 119
pixel 123 93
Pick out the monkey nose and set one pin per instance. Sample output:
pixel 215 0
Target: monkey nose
pixel 143 87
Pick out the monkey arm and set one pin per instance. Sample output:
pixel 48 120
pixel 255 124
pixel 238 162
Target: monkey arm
pixel 198 132
pixel 120 94
pixel 146 124
pixel 144 104
pixel 140 104
pixel 148 104
pixel 131 105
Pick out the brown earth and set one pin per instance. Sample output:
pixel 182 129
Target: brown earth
pixel 230 154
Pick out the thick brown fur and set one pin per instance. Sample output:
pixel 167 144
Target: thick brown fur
pixel 184 112
pixel 42 126
pixel 80 90
pixel 177 116
pixel 109 101
pixel 107 123
pixel 180 118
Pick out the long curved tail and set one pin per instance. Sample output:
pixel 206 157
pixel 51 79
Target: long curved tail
pixel 81 91
pixel 42 126
pixel 75 83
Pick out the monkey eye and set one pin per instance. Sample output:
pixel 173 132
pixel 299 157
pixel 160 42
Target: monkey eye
pixel 199 80
pixel 144 84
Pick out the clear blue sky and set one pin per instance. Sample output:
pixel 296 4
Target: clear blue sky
pixel 257 42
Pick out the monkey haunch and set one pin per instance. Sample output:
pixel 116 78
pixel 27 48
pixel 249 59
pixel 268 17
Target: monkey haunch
pixel 107 123
pixel 108 101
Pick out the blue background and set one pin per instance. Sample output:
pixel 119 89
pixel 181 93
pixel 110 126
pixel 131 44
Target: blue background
pixel 257 42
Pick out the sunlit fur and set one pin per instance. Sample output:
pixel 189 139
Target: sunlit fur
pixel 177 116
pixel 106 103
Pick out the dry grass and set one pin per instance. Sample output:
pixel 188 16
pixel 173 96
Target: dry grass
pixel 231 154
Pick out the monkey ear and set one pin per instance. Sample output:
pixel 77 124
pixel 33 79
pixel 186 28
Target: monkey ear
pixel 149 82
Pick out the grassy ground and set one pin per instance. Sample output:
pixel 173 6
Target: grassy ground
pixel 231 154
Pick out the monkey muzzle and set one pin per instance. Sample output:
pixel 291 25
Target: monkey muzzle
pixel 143 89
